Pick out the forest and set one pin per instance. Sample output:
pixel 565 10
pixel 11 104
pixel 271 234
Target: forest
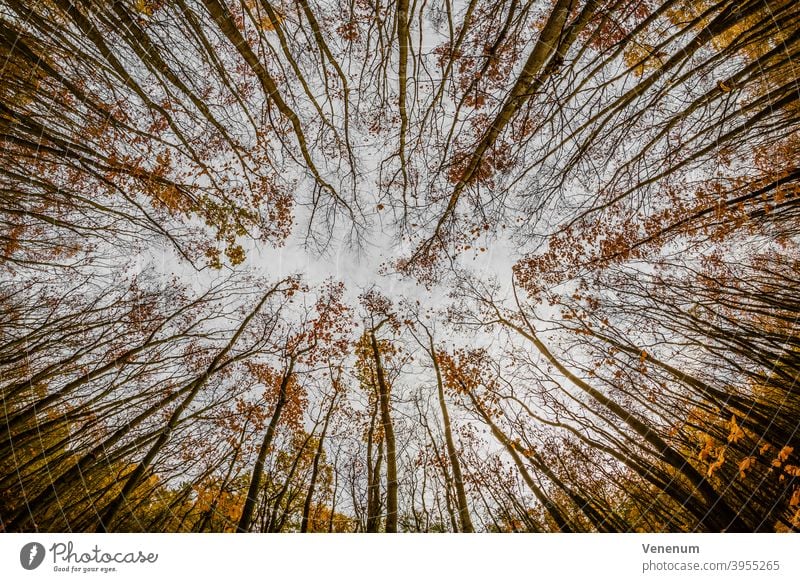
pixel 399 265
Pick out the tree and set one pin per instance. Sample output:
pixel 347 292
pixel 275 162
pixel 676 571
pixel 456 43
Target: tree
pixel 560 241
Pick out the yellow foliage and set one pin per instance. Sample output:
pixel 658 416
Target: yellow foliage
pixel 146 7
pixel 686 11
pixel 736 433
pixel 264 22
pixel 746 464
pixel 718 463
pixel 707 449
pixel 642 58
pixel 784 453
pixel 795 500
pixel 792 470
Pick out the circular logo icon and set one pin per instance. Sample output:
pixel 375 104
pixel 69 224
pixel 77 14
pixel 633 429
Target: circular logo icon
pixel 31 555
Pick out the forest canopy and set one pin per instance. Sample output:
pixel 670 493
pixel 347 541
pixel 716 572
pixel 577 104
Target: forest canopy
pixel 382 266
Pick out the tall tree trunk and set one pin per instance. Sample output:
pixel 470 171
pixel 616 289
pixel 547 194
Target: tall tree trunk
pixel 452 453
pixel 391 447
pixel 373 480
pixel 315 468
pixel 255 480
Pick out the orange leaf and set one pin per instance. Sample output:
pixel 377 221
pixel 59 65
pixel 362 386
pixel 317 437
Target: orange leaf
pixel 746 464
pixel 707 448
pixel 737 433
pixel 717 464
pixel 792 470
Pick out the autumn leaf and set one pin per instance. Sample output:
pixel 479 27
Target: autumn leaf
pixel 792 470
pixel 641 58
pixel 746 464
pixel 144 7
pixel 736 433
pixel 784 453
pixel 263 21
pixel 712 468
pixel 708 447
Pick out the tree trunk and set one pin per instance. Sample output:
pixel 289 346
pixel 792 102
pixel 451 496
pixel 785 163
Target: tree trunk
pixel 388 430
pixel 452 453
pixel 315 468
pixel 255 480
